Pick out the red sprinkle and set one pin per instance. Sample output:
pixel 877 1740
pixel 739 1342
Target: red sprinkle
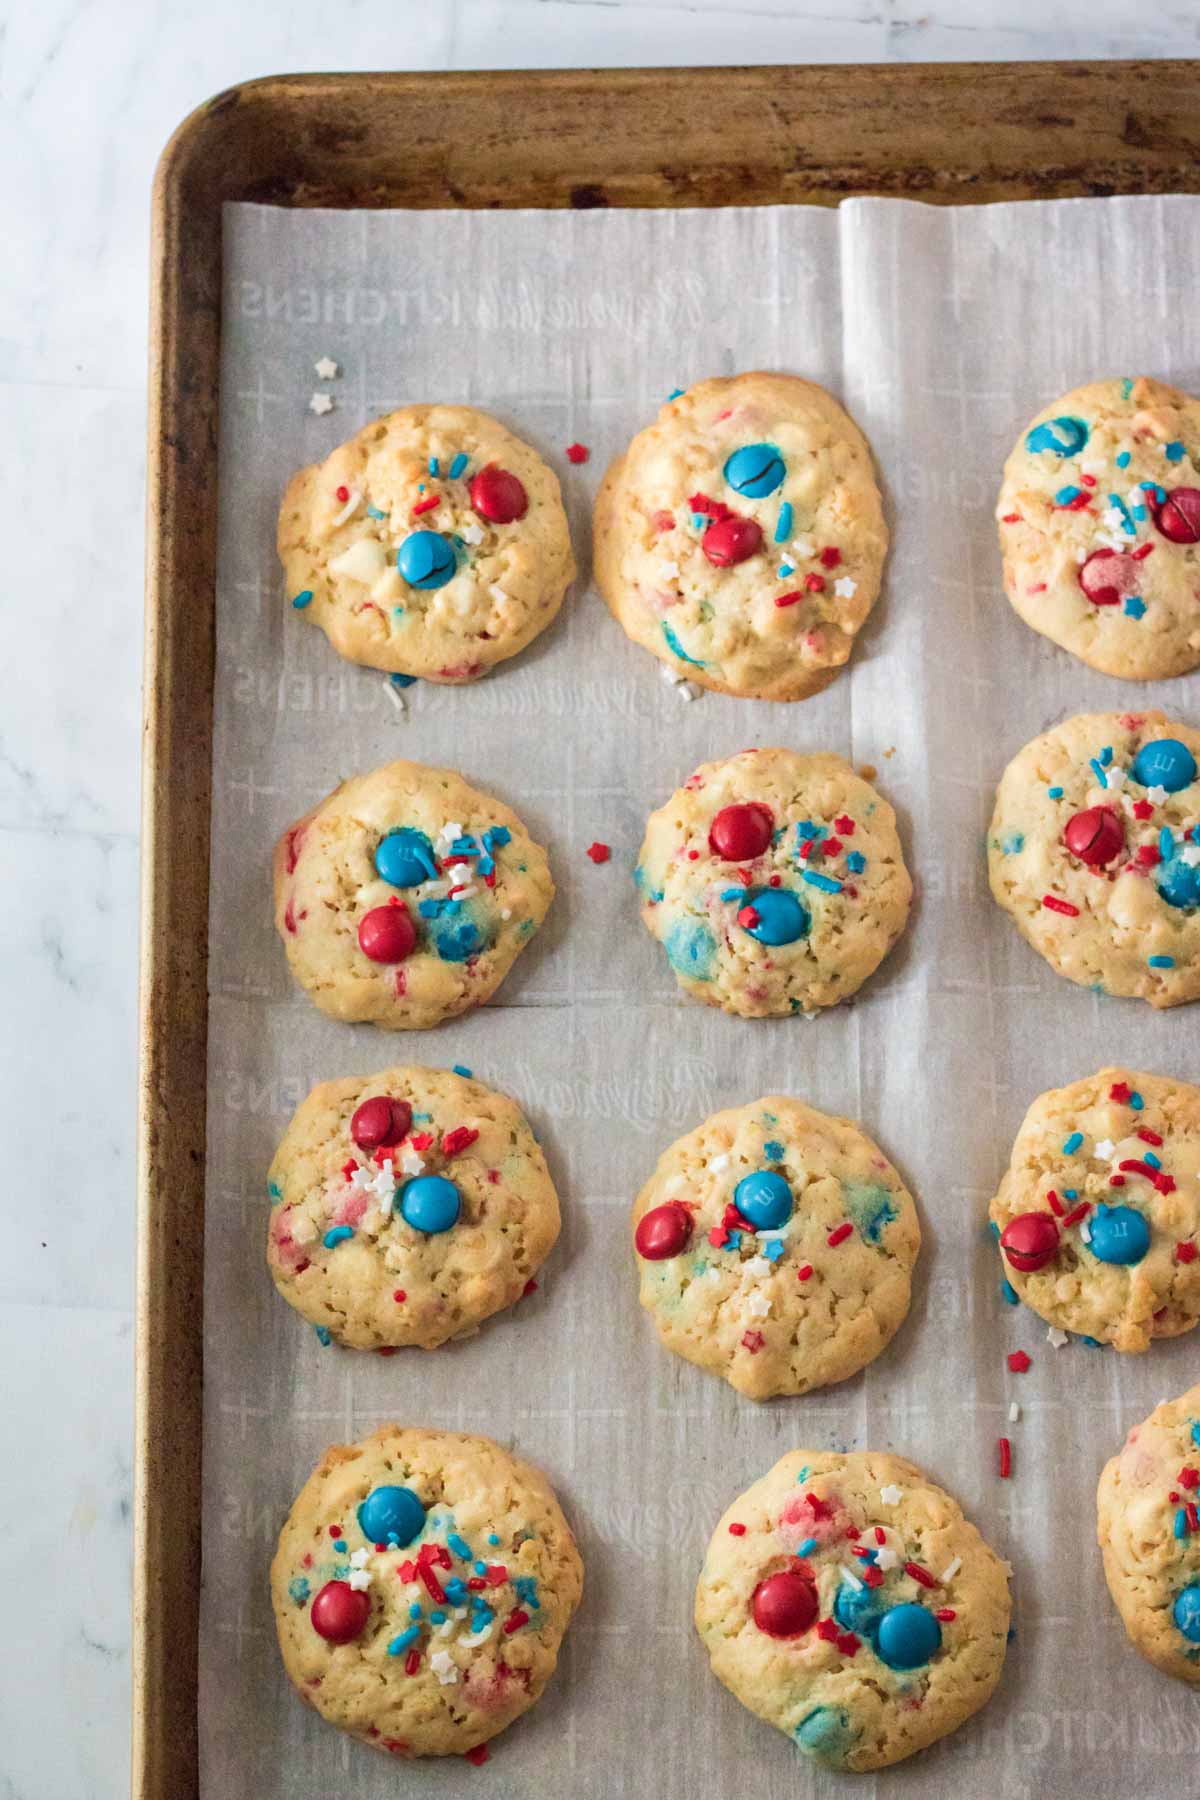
pixel 1142 809
pixel 1012 519
pixel 880 1535
pixel 1189 1477
pixel 839 1234
pixel 478 1756
pixel 1120 1091
pixel 946 1614
pixel 1141 554
pixel 1018 1361
pixel 1005 1459
pixel 1148 856
pixel 412 1662
pixel 790 598
pixel 805 1273
pixel 815 583
pixel 820 1509
pixel 847 1643
pixel 1116 1181
pixel 872 1576
pixel 529 1288
pixel 515 1620
pixel 845 824
pixel 1076 1213
pixel 1054 904
pixel 422 1140
pixel 1164 1183
pixel 1185 1252
pixel 599 853
pixel 831 556
pixel 335 1531
pixel 753 1341
pixel 919 1575
pixel 736 1530
pixel 1149 1137
pixel 426 505
pixel 577 453
pixel 461 1138
pixel 747 917
pixel 1192 1516
pixel 827 1629
pixel 1055 1204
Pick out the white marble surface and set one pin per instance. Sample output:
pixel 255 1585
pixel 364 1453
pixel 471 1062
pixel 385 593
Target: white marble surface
pixel 90 92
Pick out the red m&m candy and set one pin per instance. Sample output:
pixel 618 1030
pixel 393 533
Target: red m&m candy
pixel 786 1604
pixel 1108 577
pixel 380 1121
pixel 731 540
pixel 339 1612
pixel 663 1231
pixel 740 833
pixel 386 934
pixel 1030 1241
pixel 1178 518
pixel 1095 836
pixel 498 496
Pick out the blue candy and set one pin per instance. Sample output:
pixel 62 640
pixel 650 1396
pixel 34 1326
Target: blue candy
pixel 430 1204
pixel 1164 762
pixel 1119 1234
pixel 1065 436
pixel 426 560
pixel 755 470
pixel 764 1198
pixel 405 858
pixel 907 1636
pixel 1186 1612
pixel 1179 884
pixel 858 1609
pixel 781 917
pixel 826 1735
pixel 391 1513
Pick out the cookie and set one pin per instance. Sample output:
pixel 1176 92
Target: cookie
pixel 405 896
pixel 741 539
pixel 434 543
pixel 1099 515
pixel 1094 848
pixel 774 881
pixel 407 1207
pixel 1097 1215
pixel 775 1246
pixel 422 1586
pixel 845 1599
pixel 1149 1534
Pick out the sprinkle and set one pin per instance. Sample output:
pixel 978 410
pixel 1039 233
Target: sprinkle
pixel 577 453
pixel 1008 1294
pixel 598 853
pixel 783 526
pixel 1185 1252
pixel 921 1576
pixel 946 1614
pixel 1135 606
pixel 1054 904
pixel 399 1644
pixel 1174 451
pixel 891 1495
pixel 1161 962
pixel 736 1530
pixel 804 1273
pixel 302 600
pixel 319 404
pixel 324 1335
pixel 515 1620
pixel 1055 1204
pixel 845 588
pixel 805 1549
pixel 1072 1144
pixel 1018 1361
pixel 337 1235
pixel 1056 1338
pixel 1014 1413
pixel 426 505
pixel 325 368
pixel 1005 1449
pixel 826 883
pixel 790 598
pixel 477 1756
pixel 1076 1213
pixel 839 1234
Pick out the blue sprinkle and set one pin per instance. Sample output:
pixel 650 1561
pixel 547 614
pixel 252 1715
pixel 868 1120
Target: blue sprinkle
pixel 786 569
pixel 458 465
pixel 826 883
pixel 437 1617
pixel 275 1191
pixel 1065 495
pixel 735 1241
pixel 994 1229
pixel 433 466
pixel 416 1611
pixel 803 1473
pixel 1008 1294
pixel 1196 1433
pixel 1055 793
pixel 783 524
pixel 298 1589
pixel 496 836
pixel 1106 755
pixel 732 893
pixel 341 1546
pixel 324 1335
pixel 1124 459
pixel 806 830
pixel 1152 488
pixel 772 1249
pixel 1135 1099
pixel 400 1644
pixel 675 393
pixel 1126 388
pixel 303 600
pixel 403 681
pixel 856 862
pixel 461 1069
pixel 773 1151
pixel 456 1590
pixel 1072 1144
pixel 459 1545
pixel 1181 1525
pixel 1175 451
pixel 677 649
pixel 373 512
pixel 810 1544
pixel 492 1538
pixel 699 520
pixel 1166 843
pixel 1134 607
pixel 525 1588
pixel 1092 1343
pixel 1098 771
pixel 1070 1193
pixel 1161 962
pixel 481 1568
pixel 1127 524
pixel 337 1235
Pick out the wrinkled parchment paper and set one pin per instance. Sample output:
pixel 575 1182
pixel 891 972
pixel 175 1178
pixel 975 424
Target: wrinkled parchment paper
pixel 942 330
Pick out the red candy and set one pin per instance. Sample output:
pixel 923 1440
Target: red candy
pixel 663 1231
pixel 1108 577
pixel 339 1612
pixel 1178 518
pixel 741 832
pixel 732 540
pixel 1030 1241
pixel 380 1121
pixel 1095 836
pixel 498 496
pixel 786 1604
pixel 386 934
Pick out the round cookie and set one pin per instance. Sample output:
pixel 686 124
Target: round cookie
pixel 1099 515
pixel 1094 848
pixel 775 1246
pixel 845 1600
pixel 406 895
pixel 434 543
pixel 1097 1214
pixel 774 881
pixel 385 1626
pixel 1149 1535
pixel 741 539
pixel 407 1207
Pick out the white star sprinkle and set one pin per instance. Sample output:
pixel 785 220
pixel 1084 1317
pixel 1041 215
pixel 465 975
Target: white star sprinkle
pixel 360 1575
pixel 1056 1337
pixel 1190 854
pixel 886 1559
pixel 756 1267
pixel 320 403
pixel 845 587
pixel 325 368
pixel 472 534
pixel 444 1667
pixel 411 1161
pixel 758 1305
pixel 1156 795
pixel 1114 778
pixel 1105 1148
pixel 891 1495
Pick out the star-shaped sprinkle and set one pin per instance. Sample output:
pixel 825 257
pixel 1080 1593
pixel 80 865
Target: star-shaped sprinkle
pixel 886 1559
pixel 758 1304
pixel 1056 1338
pixel 360 1575
pixel 444 1667
pixel 845 587
pixel 472 534
pixel 325 368
pixel 1104 1149
pixel 891 1495
pixel 320 403
pixel 1156 795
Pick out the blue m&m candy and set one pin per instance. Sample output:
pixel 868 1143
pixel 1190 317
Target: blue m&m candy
pixel 1186 1612
pixel 405 858
pixel 781 918
pixel 858 1609
pixel 1065 436
pixel 1178 883
pixel 391 1515
pixel 755 470
pixel 1119 1234
pixel 1165 763
pixel 426 560
pixel 907 1636
pixel 764 1198
pixel 430 1204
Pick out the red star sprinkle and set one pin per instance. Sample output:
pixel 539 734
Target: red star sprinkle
pixel 815 583
pixel 1189 1477
pixel 845 824
pixel 1142 809
pixel 577 453
pixel 831 556
pixel 599 853
pixel 478 1756
pixel 1018 1362
pixel 1185 1252
pixel 1120 1092
pixel 753 1341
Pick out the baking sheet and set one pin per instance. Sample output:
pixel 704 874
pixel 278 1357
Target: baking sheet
pixel 942 330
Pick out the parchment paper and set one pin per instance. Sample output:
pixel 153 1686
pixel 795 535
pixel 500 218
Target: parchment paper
pixel 943 331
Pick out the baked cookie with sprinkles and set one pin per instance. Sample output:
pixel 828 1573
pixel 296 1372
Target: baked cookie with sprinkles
pixel 775 882
pixel 1148 1527
pixel 1094 849
pixel 434 543
pixel 422 1586
pixel 846 1601
pixel 740 538
pixel 1098 1216
pixel 407 1207
pixel 775 1246
pixel 1099 516
pixel 406 895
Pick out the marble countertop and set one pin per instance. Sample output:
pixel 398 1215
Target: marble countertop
pixel 91 92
